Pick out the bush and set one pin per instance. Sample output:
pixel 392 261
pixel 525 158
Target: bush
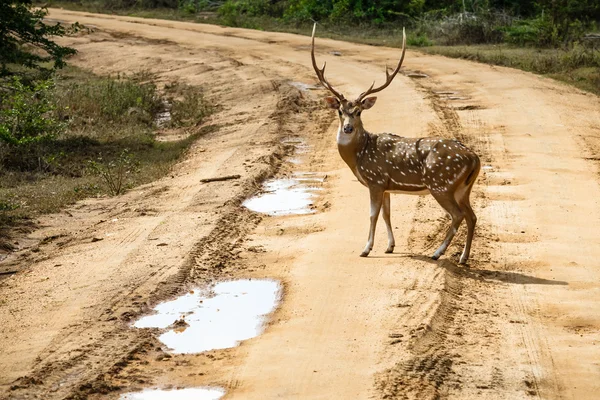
pixel 236 12
pixel 468 28
pixel 533 32
pixel 419 40
pixel 189 108
pixel 26 113
pixel 115 173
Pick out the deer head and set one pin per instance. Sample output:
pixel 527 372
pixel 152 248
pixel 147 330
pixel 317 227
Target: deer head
pixel 350 111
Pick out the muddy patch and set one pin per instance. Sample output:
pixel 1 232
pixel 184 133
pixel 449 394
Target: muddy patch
pixel 220 318
pixel 178 394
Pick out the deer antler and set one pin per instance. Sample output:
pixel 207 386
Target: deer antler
pixel 388 78
pixel 321 72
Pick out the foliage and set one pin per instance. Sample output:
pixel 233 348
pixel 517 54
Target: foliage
pixel 418 40
pixel 115 172
pixel 24 37
pixel 26 113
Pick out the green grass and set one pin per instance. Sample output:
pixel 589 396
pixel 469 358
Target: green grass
pixel 105 118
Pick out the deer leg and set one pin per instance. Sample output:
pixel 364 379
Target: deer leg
pixel 471 219
pixel 388 222
pixel 452 207
pixel 376 200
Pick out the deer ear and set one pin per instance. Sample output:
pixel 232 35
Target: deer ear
pixel 332 102
pixel 368 102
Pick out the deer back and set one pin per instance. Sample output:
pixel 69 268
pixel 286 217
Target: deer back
pixel 395 163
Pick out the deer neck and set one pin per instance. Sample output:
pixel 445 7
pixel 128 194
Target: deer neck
pixel 351 146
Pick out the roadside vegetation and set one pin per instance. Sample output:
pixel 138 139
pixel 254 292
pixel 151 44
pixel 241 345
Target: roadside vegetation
pixel 558 38
pixel 67 134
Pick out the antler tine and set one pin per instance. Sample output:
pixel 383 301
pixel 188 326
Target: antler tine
pixel 321 72
pixel 388 77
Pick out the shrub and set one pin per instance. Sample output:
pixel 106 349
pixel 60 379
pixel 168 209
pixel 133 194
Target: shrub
pixel 190 108
pixel 115 172
pixel 26 113
pixel 533 32
pixel 232 9
pixel 419 40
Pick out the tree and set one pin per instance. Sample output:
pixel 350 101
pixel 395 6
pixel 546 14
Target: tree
pixel 24 37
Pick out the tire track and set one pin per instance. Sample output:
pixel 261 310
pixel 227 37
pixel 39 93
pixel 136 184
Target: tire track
pixel 429 373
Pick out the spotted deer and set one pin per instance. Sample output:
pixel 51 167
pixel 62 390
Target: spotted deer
pixel 386 163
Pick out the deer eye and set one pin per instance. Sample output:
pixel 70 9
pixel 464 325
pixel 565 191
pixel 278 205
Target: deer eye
pixel 358 114
pixel 340 112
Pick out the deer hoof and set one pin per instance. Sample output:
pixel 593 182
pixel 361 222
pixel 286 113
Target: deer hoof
pixel 364 253
pixel 390 250
pixel 435 256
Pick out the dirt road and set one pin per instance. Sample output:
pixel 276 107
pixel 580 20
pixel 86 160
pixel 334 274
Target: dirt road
pixel 521 321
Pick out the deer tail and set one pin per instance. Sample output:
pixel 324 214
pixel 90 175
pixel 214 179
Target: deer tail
pixel 474 172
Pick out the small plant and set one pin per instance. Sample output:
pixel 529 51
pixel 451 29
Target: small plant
pixel 189 107
pixel 8 206
pixel 420 40
pixel 114 173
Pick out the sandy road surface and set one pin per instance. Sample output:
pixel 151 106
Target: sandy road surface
pixel 521 321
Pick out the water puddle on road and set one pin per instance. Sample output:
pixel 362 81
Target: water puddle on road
pixel 293 195
pixel 287 196
pixel 301 148
pixel 304 86
pixel 231 312
pixel 177 394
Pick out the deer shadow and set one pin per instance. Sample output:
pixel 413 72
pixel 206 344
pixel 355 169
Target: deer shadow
pixel 486 275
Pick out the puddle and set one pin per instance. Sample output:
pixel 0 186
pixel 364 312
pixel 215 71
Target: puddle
pixel 235 312
pixel 417 75
pixel 444 92
pixel 163 118
pixel 178 394
pixel 300 149
pixel 469 107
pixel 291 196
pixel 305 87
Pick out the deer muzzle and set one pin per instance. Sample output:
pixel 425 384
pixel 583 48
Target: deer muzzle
pixel 348 128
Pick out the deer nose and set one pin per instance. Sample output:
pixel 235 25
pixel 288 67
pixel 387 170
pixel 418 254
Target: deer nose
pixel 348 128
